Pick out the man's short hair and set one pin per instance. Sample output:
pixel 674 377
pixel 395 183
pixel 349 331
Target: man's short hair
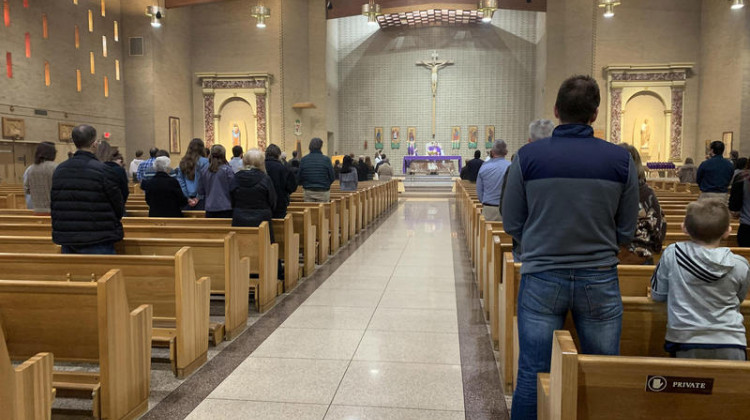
pixel 499 148
pixel 707 220
pixel 541 129
pixel 84 136
pixel 162 153
pixel 734 154
pixel 138 153
pixel 477 154
pixel 717 147
pixel 294 154
pixel 153 151
pixel 316 144
pixel 578 100
pixel 689 161
pixel 382 156
pixel 237 151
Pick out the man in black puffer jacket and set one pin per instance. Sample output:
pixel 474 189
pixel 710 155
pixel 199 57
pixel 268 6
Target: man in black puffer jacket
pixel 283 180
pixel 86 203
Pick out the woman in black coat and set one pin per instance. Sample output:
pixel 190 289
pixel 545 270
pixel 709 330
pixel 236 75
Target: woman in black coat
pixel 252 192
pixel 284 181
pixel 163 193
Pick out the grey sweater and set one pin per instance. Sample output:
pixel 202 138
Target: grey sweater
pixel 703 288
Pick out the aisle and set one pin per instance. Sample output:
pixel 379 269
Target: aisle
pixel 382 337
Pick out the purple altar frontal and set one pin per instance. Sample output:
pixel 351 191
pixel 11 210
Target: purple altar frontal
pixel 408 160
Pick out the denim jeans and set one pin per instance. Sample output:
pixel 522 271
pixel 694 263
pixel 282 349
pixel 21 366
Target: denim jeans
pixel 100 249
pixel 544 299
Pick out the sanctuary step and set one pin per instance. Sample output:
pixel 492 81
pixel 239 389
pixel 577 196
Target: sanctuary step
pixel 428 185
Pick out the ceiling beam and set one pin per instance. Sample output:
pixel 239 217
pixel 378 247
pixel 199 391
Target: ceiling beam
pixel 345 8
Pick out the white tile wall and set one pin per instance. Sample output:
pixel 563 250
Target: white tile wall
pixel 491 82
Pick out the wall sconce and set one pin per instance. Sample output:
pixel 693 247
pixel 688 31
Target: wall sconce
pixel 156 13
pixel 609 7
pixel 487 8
pixel 261 13
pixel 738 4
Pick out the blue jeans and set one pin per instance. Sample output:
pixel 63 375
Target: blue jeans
pixel 544 299
pixel 99 249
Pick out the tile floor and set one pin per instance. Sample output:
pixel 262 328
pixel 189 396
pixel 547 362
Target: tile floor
pixel 379 339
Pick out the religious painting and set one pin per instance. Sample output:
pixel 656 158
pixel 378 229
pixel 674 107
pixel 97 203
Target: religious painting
pixel 473 136
pixel 489 135
pixel 411 141
pixel 395 137
pixel 727 137
pixel 65 131
pixel 174 135
pixel 456 137
pixel 14 128
pixel 379 138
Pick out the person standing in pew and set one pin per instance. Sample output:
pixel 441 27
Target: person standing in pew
pixel 316 174
pixel 214 185
pixel 189 173
pixel 253 194
pixel 704 285
pixel 236 161
pixel 163 193
pixel 348 178
pixel 490 181
pixel 715 174
pixel 38 178
pixel 283 180
pixel 106 153
pixel 571 200
pixel 146 164
pixel 86 202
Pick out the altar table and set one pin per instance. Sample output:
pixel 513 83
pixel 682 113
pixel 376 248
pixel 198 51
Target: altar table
pixel 408 160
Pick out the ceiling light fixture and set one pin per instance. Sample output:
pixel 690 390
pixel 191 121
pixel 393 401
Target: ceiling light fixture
pixel 609 7
pixel 487 9
pixel 261 13
pixel 371 10
pixel 156 13
pixel 738 4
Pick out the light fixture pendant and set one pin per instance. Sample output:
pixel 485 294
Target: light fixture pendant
pixel 156 13
pixel 487 8
pixel 261 13
pixel 371 10
pixel 738 4
pixel 609 7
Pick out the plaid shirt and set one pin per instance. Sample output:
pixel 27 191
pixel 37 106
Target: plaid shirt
pixel 143 167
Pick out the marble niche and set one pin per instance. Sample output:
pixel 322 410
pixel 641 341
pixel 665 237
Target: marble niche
pixel 646 108
pixel 235 109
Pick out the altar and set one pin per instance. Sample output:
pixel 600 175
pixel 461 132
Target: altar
pixel 432 164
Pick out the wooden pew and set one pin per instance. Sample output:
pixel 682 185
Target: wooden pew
pixel 26 391
pixel 319 218
pixel 168 283
pixel 263 258
pixel 89 321
pixel 617 387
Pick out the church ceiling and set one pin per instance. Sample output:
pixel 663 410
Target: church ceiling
pixel 344 8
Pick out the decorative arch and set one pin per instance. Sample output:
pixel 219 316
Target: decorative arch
pixel 220 88
pixel 665 82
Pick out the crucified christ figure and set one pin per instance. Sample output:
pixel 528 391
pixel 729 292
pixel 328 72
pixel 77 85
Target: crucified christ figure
pixel 435 66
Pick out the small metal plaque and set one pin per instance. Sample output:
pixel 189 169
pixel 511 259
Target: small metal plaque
pixel 679 385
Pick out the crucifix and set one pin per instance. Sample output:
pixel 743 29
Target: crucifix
pixel 434 67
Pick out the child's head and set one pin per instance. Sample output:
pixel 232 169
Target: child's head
pixel 707 221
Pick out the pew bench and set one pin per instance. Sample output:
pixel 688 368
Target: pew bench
pixel 90 322
pixel 618 387
pixel 168 283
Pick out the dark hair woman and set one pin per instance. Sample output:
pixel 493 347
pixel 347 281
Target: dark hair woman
pixel 214 184
pixel 348 177
pixel 38 180
pixel 107 154
pixel 189 172
pixel 283 180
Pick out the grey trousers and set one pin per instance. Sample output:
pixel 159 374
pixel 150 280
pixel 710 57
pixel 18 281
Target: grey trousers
pixel 724 197
pixel 317 196
pixel 491 214
pixel 722 354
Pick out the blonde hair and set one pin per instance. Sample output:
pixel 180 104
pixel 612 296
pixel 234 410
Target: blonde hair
pixel 255 159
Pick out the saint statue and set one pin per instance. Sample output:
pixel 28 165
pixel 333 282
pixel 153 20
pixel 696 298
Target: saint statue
pixel 236 135
pixel 645 134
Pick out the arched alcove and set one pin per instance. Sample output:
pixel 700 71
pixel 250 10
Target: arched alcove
pixel 237 124
pixel 645 126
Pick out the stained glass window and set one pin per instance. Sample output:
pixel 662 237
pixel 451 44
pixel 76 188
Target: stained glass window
pixel 117 69
pixel 117 32
pixel 77 37
pixel 78 80
pixel 45 27
pixel 91 57
pixel 9 64
pixel 46 74
pixel 104 45
pixel 106 87
pixel 91 21
pixel 28 45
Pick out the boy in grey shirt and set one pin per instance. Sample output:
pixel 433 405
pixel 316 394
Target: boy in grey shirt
pixel 704 285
